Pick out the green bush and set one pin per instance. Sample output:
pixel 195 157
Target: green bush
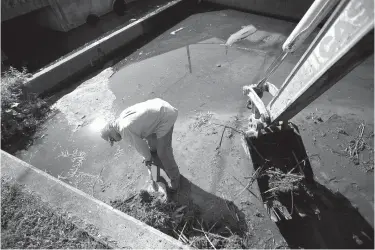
pixel 21 112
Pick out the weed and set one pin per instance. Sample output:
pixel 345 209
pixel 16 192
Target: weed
pixel 201 119
pixel 27 222
pixel 180 222
pixel 21 112
pixel 77 177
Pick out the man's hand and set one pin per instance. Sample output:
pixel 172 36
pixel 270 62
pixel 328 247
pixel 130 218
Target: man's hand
pixel 147 163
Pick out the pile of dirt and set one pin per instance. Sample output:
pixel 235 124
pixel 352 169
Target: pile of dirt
pixel 181 222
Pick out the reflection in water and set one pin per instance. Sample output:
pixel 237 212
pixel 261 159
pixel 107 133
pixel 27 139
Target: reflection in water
pixel 188 55
pixel 97 124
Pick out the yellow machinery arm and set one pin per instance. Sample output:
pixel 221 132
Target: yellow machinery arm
pixel 346 39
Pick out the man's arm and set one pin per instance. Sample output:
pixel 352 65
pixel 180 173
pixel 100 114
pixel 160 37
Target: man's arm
pixel 141 146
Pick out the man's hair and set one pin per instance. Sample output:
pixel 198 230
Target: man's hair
pixel 106 131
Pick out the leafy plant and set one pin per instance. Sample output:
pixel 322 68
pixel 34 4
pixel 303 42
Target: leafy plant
pixel 21 112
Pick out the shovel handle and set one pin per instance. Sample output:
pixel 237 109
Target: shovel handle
pixel 150 173
pixel 157 173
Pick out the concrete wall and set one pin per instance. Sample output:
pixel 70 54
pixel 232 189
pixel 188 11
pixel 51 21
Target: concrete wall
pixel 287 9
pixel 64 15
pixel 12 9
pixel 90 56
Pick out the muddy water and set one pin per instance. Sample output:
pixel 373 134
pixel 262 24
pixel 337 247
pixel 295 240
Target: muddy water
pixel 194 72
pixel 197 77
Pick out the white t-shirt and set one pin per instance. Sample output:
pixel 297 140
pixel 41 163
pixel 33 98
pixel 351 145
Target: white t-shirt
pixel 137 122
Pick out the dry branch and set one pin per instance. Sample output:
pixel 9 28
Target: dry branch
pixel 205 235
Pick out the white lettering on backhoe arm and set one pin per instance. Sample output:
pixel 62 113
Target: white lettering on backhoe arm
pixel 352 22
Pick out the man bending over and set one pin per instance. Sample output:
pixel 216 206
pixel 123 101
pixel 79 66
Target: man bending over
pixel 148 126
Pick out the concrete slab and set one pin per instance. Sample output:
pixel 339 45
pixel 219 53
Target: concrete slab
pixel 117 228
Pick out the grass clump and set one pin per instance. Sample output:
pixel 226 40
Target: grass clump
pixel 181 222
pixel 21 112
pixel 27 222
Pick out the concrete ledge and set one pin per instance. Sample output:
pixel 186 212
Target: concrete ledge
pixel 292 10
pixel 121 228
pixel 90 56
pixel 19 8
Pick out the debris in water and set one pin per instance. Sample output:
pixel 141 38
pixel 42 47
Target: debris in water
pixel 241 34
pixel 177 30
pixel 314 118
pixel 201 119
pixel 342 131
pixel 218 65
pixel 259 215
pixel 357 145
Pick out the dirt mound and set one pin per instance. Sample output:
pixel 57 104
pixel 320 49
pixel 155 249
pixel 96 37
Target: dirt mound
pixel 181 222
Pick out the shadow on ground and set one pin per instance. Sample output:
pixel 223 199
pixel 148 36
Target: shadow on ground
pixel 221 215
pixel 319 218
pixel 187 217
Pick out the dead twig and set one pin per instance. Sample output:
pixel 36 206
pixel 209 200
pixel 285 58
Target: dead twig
pixel 275 213
pixel 271 189
pixel 252 179
pixel 246 188
pixel 229 230
pixel 212 227
pixel 357 144
pixel 244 134
pixel 298 163
pixel 182 231
pixel 256 150
pixel 99 175
pixel 184 240
pixel 221 139
pixel 291 212
pixel 226 126
pixel 212 234
pixel 284 175
pixel 205 235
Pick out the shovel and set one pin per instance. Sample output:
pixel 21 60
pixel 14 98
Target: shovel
pixel 156 186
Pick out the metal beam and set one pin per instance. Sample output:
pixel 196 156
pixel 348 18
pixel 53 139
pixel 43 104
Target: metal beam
pixel 345 41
